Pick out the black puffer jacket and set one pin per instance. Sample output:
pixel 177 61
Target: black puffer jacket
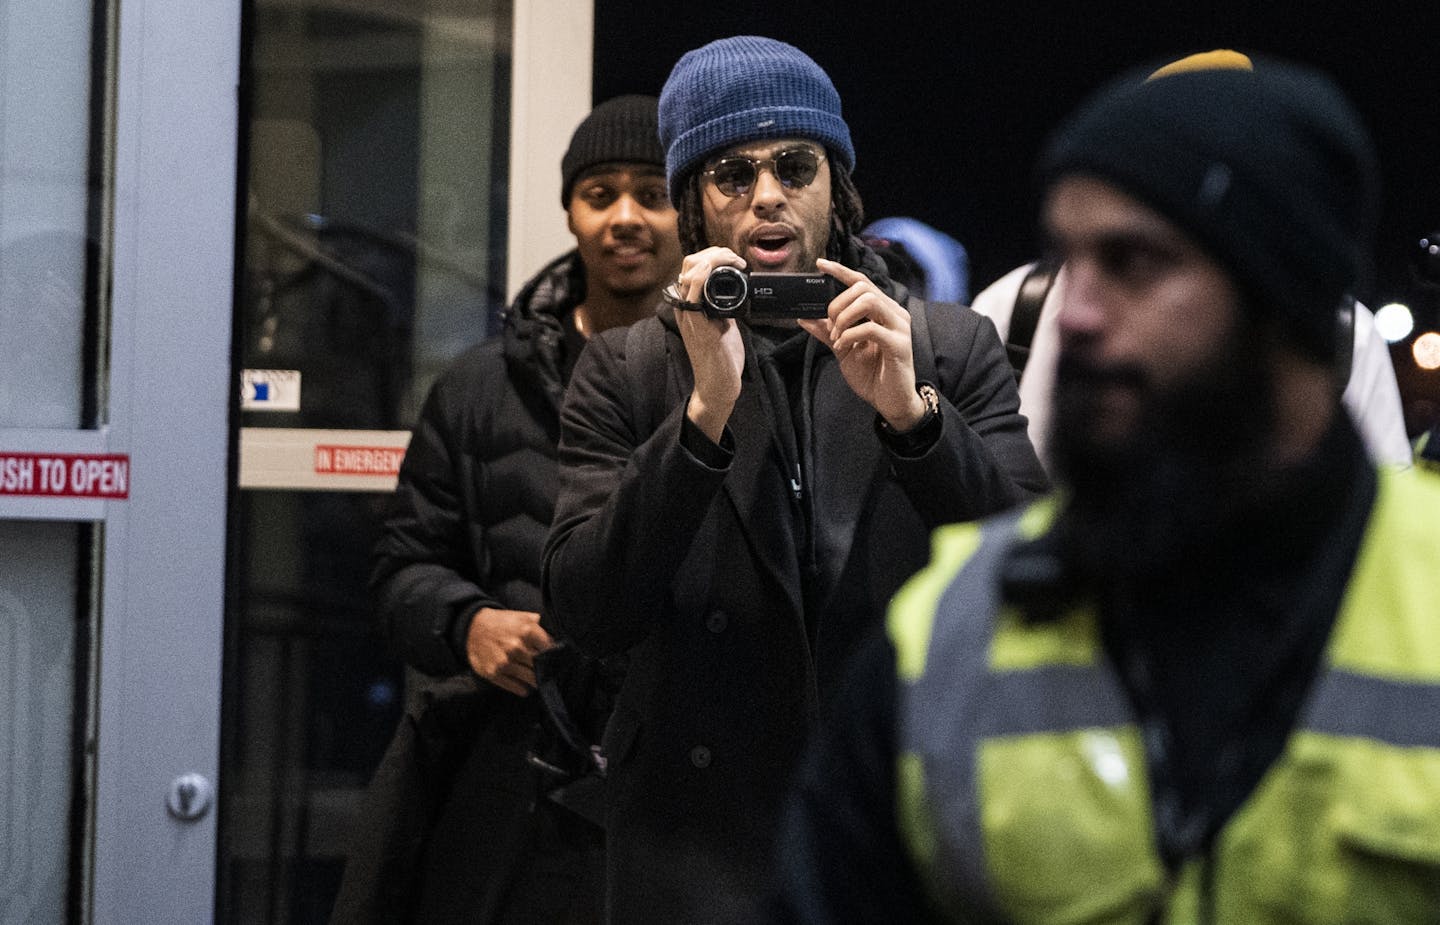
pixel 467 525
pixel 458 825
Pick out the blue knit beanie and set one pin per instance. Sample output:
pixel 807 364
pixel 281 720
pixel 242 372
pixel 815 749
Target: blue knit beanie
pixel 742 89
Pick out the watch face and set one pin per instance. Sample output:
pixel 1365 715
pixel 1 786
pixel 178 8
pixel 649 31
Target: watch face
pixel 932 398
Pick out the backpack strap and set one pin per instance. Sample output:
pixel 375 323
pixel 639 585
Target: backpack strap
pixel 644 368
pixel 1029 300
pixel 922 347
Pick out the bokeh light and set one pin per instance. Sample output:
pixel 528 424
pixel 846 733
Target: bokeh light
pixel 1427 350
pixel 1394 321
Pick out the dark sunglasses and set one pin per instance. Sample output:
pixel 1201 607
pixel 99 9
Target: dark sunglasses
pixel 735 174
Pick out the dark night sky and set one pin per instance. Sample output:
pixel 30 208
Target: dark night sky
pixel 949 103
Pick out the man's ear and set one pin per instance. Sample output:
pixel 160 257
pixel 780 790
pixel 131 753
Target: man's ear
pixel 570 220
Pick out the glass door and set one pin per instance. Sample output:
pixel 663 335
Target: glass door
pixel 373 242
pixel 48 391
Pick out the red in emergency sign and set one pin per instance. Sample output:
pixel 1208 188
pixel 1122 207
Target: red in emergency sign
pixel 332 459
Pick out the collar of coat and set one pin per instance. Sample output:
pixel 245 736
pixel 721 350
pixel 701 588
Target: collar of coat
pixel 533 329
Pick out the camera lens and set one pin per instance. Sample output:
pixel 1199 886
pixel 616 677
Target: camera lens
pixel 726 289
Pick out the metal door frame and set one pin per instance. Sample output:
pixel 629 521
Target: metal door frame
pixel 166 115
pixel 170 384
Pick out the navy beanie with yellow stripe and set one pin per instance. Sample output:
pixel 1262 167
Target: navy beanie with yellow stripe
pixel 1270 169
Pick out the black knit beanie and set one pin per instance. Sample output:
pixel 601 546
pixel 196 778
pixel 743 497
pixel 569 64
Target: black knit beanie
pixel 620 130
pixel 1270 169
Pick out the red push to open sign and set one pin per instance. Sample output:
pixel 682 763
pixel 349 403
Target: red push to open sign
pixel 65 475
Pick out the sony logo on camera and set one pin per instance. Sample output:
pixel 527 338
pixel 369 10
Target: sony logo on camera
pixel 732 293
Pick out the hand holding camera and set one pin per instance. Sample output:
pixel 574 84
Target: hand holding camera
pixel 715 346
pixel 869 333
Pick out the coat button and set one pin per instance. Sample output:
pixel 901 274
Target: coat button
pixel 700 756
pixel 717 621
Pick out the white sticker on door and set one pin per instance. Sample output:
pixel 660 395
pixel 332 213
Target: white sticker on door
pixel 270 390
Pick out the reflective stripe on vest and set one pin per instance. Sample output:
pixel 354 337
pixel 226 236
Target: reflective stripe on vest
pixel 1022 787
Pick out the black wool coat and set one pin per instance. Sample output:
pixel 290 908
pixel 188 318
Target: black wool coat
pixel 737 634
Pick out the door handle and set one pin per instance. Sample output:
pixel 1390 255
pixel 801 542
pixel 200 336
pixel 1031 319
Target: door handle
pixel 190 797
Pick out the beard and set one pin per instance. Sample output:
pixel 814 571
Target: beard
pixel 1165 492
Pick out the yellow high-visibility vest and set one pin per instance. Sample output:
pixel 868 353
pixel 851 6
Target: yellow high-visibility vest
pixel 1022 784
